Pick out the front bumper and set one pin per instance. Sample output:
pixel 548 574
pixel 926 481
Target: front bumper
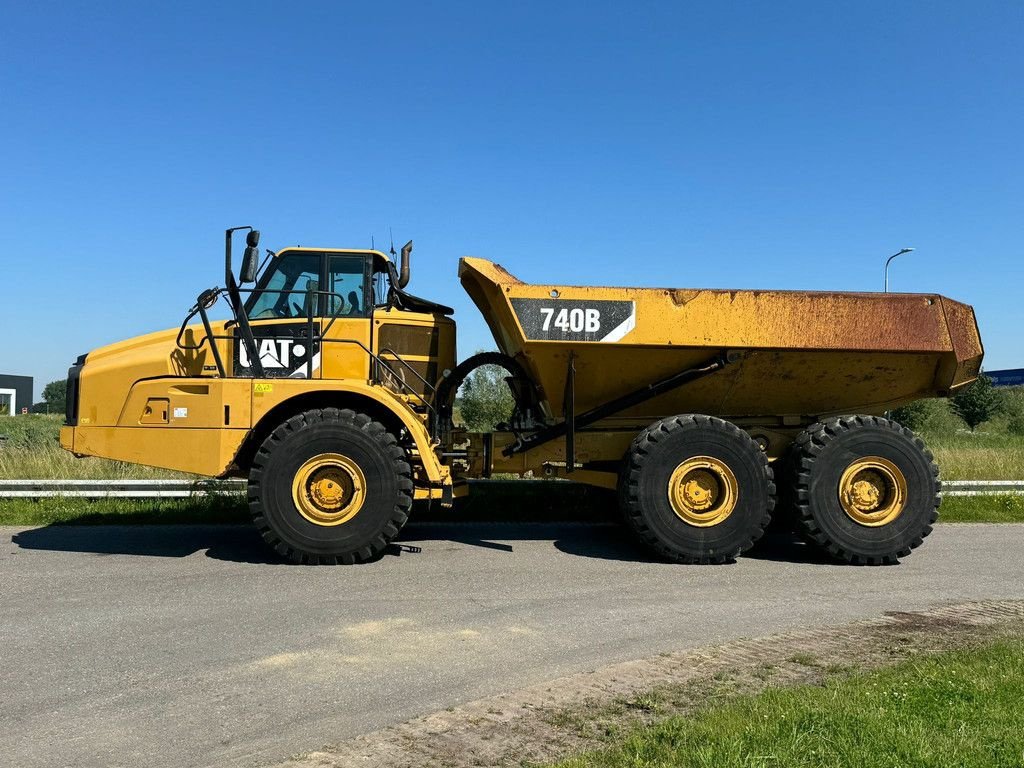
pixel 67 438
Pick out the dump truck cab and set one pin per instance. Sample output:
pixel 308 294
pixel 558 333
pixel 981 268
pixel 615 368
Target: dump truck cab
pixel 319 327
pixel 357 309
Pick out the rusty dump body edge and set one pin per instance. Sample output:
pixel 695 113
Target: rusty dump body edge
pixel 802 353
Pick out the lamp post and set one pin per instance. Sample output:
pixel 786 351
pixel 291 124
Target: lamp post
pixel 887 261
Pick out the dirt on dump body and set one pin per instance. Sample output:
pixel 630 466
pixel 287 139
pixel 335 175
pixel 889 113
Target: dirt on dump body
pixel 555 719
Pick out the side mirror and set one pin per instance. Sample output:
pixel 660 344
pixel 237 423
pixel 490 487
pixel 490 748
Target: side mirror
pixel 250 261
pixel 253 238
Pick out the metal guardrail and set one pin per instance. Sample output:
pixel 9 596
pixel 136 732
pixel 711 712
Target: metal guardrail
pixel 183 489
pixel 981 487
pixel 125 489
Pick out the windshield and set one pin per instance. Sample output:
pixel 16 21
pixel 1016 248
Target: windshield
pixel 281 291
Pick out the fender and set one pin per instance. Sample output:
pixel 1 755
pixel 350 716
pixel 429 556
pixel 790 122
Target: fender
pixel 272 397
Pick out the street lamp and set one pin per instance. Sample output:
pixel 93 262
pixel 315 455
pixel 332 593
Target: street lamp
pixel 899 253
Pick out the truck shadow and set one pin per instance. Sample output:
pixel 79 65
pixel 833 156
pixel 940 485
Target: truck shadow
pixel 576 519
pixel 242 544
pixel 239 543
pixel 612 544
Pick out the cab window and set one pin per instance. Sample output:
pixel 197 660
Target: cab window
pixel 281 290
pixel 381 285
pixel 346 283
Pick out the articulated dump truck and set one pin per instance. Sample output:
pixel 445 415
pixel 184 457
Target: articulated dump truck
pixel 332 390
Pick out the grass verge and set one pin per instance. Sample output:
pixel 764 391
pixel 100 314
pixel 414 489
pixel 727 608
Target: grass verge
pixel 1007 508
pixel 504 502
pixel 978 455
pixel 58 511
pixel 959 708
pixel 30 450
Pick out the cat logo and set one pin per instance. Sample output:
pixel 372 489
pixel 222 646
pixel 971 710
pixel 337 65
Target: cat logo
pixel 284 351
pixel 275 353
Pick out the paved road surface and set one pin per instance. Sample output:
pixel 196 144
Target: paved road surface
pixel 188 646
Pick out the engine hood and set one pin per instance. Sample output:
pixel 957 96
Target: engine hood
pixel 110 371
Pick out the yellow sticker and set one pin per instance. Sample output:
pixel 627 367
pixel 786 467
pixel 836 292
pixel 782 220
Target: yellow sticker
pixel 262 386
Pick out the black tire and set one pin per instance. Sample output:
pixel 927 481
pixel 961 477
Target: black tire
pixel 784 516
pixel 824 452
pixel 644 489
pixel 366 443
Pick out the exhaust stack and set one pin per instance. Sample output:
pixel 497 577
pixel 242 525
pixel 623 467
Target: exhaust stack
pixel 403 275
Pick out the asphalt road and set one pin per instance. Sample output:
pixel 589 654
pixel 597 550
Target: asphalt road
pixel 187 646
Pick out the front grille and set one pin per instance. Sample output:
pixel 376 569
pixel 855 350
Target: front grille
pixel 72 392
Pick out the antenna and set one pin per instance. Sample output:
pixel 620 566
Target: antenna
pixel 392 233
pixel 372 246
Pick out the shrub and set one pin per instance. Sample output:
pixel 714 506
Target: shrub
pixel 485 399
pixel 977 403
pixel 932 415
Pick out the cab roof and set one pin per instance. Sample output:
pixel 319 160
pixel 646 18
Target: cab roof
pixel 360 251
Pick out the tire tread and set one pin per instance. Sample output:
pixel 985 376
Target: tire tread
pixel 808 447
pixel 390 447
pixel 639 457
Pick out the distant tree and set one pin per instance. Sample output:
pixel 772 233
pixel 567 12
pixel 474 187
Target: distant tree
pixel 485 399
pixel 54 395
pixel 977 403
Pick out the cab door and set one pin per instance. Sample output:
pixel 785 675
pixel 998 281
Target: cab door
pixel 347 305
pixel 333 286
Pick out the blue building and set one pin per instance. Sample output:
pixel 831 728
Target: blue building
pixel 1012 377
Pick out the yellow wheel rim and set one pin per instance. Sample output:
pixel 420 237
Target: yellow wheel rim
pixel 329 489
pixel 873 491
pixel 703 491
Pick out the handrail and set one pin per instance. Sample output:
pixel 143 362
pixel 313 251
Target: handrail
pixel 357 342
pixel 398 357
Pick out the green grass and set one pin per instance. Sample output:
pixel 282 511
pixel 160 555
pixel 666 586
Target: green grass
pixel 957 709
pixel 978 455
pixel 57 511
pixel 31 451
pixel 982 509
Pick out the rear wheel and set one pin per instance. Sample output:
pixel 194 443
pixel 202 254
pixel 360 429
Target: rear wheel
pixel 866 488
pixel 696 489
pixel 330 486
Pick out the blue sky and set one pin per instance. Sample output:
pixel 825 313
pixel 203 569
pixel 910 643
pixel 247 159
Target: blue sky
pixel 774 145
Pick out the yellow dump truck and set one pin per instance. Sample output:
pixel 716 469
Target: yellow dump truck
pixel 332 389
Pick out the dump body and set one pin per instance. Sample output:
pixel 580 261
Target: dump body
pixel 797 354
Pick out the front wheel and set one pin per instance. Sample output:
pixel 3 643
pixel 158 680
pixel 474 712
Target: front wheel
pixel 330 486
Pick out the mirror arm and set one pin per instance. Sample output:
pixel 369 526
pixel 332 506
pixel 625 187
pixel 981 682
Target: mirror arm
pixel 247 338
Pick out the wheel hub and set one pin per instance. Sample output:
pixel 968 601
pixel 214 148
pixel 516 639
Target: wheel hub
pixel 873 491
pixel 329 489
pixel 703 491
pixel 700 489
